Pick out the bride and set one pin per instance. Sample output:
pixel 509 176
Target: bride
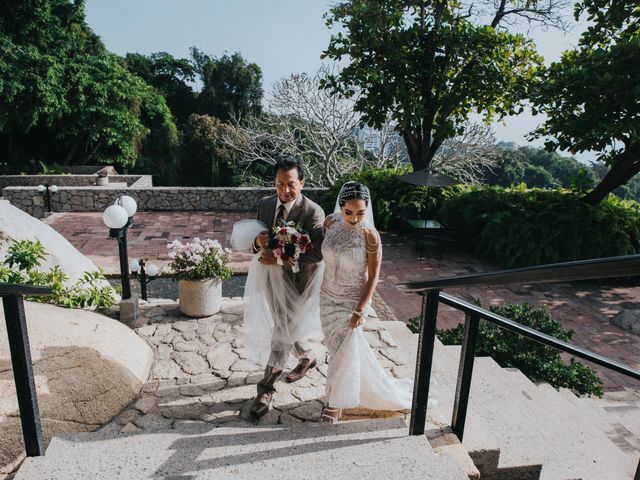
pixel 352 253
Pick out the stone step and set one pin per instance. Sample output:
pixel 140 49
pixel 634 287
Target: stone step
pixel 445 372
pixel 621 423
pixel 526 424
pixel 586 444
pixel 196 450
pixel 440 435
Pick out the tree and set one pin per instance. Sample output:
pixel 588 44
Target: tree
pixel 171 76
pixel 308 123
pixel 469 156
pixel 430 63
pixel 207 160
pixel 64 97
pixel 232 87
pixel 539 168
pixel 591 96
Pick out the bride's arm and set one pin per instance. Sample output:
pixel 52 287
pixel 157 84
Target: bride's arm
pixel 373 246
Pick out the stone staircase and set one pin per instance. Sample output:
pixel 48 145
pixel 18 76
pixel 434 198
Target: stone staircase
pixel 371 449
pixel 518 430
pixel 187 425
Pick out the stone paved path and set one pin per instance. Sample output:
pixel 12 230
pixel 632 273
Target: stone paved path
pixel 584 307
pixel 202 373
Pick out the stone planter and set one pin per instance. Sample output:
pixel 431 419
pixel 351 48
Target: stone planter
pixel 102 181
pixel 200 298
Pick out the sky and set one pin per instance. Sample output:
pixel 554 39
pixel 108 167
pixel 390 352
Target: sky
pixel 281 36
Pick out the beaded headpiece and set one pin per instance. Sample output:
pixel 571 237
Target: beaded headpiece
pixel 348 189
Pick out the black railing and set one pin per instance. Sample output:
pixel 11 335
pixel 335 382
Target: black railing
pixel 12 299
pixel 432 296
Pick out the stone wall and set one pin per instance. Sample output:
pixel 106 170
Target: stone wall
pixel 71 180
pixel 94 199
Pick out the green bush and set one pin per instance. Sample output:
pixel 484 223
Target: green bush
pixel 536 361
pixel 514 227
pixel 519 227
pixel 21 266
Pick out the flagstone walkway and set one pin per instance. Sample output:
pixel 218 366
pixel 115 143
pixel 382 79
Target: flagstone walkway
pixel 585 307
pixel 202 373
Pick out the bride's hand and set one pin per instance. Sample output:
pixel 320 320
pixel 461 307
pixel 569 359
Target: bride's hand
pixel 267 258
pixel 262 240
pixel 356 321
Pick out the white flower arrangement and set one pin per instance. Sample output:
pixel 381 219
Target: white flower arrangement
pixel 199 259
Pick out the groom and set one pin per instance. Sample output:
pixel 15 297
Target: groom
pixel 289 205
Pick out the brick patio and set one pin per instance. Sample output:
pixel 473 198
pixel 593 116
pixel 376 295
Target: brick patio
pixel 584 307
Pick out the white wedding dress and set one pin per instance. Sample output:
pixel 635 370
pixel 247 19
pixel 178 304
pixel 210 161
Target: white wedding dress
pixel 355 377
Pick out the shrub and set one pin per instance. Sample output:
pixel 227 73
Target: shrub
pixel 538 362
pixel 519 227
pixel 514 227
pixel 21 266
pixel 390 195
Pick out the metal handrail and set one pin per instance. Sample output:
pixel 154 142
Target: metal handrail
pixel 550 341
pixel 13 303
pixel 594 269
pixel 23 289
pixel 426 341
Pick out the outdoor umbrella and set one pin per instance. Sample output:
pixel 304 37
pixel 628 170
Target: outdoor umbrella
pixel 428 178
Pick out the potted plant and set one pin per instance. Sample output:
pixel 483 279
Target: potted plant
pixel 103 178
pixel 199 266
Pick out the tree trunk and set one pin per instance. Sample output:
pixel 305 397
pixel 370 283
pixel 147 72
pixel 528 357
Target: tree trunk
pixel 89 156
pixel 69 157
pixel 627 165
pixel 418 153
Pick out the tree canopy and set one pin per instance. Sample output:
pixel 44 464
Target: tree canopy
pixel 170 76
pixel 231 86
pixel 63 97
pixel 431 63
pixel 592 95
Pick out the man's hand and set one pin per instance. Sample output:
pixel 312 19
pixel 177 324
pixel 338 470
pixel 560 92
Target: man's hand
pixel 267 258
pixel 262 240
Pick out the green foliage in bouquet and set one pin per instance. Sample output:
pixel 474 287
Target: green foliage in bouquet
pixel 538 362
pixel 21 266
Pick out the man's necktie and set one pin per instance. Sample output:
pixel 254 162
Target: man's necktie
pixel 279 215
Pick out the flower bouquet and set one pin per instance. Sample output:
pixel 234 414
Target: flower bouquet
pixel 289 241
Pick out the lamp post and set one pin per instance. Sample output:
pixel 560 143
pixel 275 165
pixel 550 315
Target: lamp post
pixel 143 275
pixel 47 190
pixel 118 218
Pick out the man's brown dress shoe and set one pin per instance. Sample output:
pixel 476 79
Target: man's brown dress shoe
pixel 301 370
pixel 262 402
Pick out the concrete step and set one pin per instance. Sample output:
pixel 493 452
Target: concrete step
pixel 527 425
pixel 620 421
pixel 445 367
pixel 577 431
pixel 196 450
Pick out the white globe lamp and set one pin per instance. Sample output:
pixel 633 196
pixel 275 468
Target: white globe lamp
pixel 152 270
pixel 128 203
pixel 134 266
pixel 115 216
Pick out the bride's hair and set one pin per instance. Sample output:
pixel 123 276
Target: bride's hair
pixel 353 191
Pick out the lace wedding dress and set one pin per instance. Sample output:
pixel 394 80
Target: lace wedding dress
pixel 355 377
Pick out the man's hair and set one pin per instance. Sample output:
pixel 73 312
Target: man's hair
pixel 286 164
